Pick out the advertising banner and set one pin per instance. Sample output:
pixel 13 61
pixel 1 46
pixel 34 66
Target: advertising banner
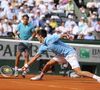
pixel 85 52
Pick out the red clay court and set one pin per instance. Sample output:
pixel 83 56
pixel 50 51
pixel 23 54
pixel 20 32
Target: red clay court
pixel 50 82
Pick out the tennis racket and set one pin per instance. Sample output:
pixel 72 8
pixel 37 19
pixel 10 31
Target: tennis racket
pixel 7 71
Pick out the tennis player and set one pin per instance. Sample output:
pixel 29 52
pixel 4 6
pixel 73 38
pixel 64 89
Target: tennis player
pixel 25 31
pixel 64 54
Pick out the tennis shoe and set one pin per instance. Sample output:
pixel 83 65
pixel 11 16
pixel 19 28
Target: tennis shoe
pixel 25 72
pixel 16 73
pixel 38 77
pixel 98 80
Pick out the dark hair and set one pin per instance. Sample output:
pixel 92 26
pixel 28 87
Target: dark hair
pixel 25 15
pixel 42 32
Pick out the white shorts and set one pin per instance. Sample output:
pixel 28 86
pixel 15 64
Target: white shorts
pixel 71 59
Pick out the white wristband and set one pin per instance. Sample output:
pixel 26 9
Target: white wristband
pixel 26 65
pixel 30 38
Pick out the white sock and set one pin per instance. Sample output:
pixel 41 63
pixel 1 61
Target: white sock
pixel 16 68
pixel 95 77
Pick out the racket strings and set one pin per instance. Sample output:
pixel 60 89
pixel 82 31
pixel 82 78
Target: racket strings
pixel 6 71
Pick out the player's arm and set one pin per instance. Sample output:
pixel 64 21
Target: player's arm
pixel 33 59
pixel 56 37
pixel 16 34
pixel 33 35
pixel 66 35
pixel 41 50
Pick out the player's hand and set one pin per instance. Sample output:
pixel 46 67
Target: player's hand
pixel 71 37
pixel 30 38
pixel 24 68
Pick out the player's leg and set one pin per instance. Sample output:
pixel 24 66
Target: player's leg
pixel 18 54
pixel 27 49
pixel 45 69
pixel 49 65
pixel 87 74
pixel 57 59
pixel 76 67
pixel 26 57
pixel 83 73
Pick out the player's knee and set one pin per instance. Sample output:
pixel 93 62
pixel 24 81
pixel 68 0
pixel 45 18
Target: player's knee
pixel 18 55
pixel 26 55
pixel 48 64
pixel 80 73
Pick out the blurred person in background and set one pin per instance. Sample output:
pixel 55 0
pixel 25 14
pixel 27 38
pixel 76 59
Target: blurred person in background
pixel 48 28
pixel 61 29
pixel 69 7
pixel 97 30
pixel 63 1
pixel 89 36
pixel 51 6
pixel 84 12
pixel 93 8
pixel 42 7
pixel 4 4
pixel 98 25
pixel 10 29
pixel 53 23
pixel 79 3
pixel 89 28
pixel 37 14
pixel 99 10
pixel 34 20
pixel 42 21
pixel 2 13
pixel 74 30
pixel 82 24
pixel 21 13
pixel 93 19
pixel 1 28
pixel 15 22
pixel 10 13
pixel 6 27
pixel 70 20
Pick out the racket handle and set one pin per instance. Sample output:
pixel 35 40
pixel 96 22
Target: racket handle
pixel 20 69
